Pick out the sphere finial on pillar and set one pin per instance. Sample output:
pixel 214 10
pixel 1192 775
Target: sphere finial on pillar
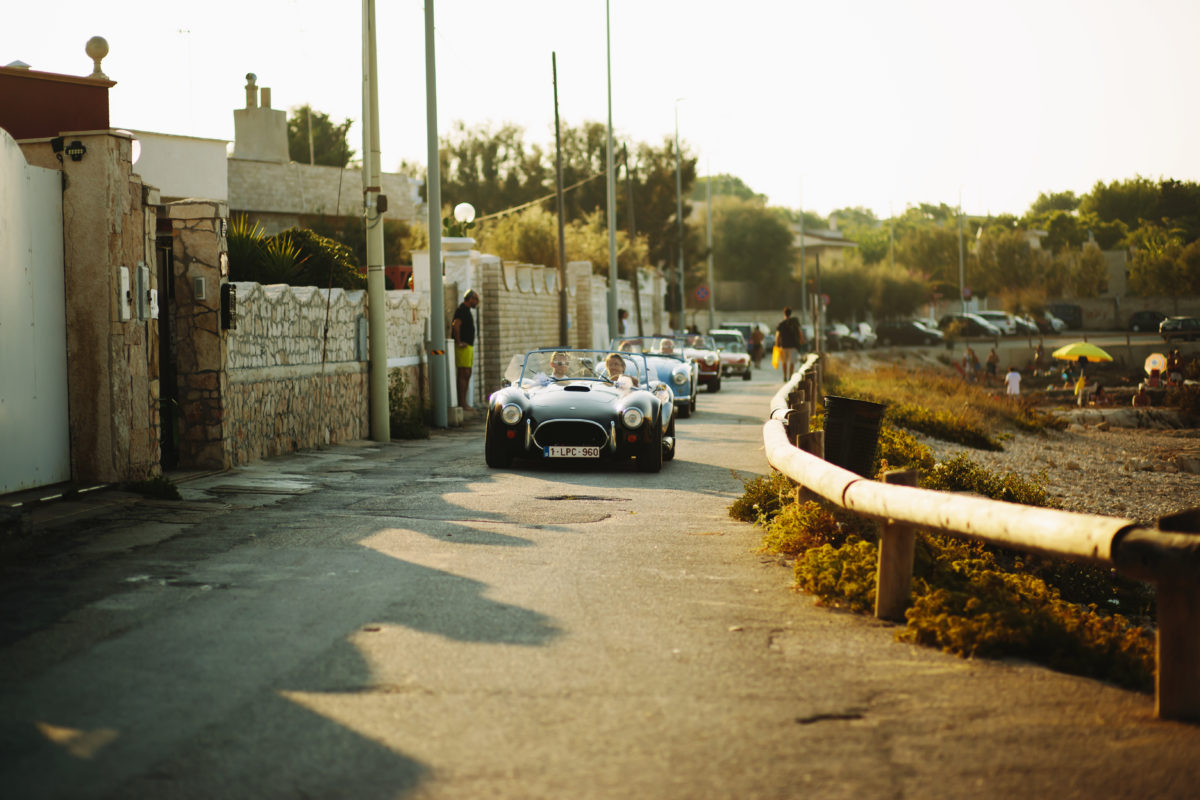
pixel 97 49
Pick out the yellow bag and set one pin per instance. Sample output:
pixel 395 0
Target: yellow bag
pixel 775 357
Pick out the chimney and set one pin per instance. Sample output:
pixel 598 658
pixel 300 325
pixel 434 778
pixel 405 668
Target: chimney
pixel 259 133
pixel 251 90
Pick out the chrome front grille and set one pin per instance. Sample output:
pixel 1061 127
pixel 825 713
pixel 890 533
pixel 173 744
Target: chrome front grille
pixel 573 432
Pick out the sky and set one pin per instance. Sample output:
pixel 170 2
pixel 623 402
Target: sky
pixel 874 103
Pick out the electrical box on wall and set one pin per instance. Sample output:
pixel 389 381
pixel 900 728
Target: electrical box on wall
pixel 123 294
pixel 154 304
pixel 361 338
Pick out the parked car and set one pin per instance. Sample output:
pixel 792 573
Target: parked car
pixel 672 368
pixel 865 335
pixel 580 410
pixel 1179 328
pixel 970 325
pixel 907 331
pixel 1001 319
pixel 1069 313
pixel 1048 323
pixel 838 337
pixel 1025 325
pixel 1145 320
pixel 735 360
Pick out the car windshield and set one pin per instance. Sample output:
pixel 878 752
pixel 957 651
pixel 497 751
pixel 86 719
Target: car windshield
pixel 650 345
pixel 699 342
pixel 545 367
pixel 732 343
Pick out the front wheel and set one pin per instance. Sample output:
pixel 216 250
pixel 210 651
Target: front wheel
pixel 650 458
pixel 669 452
pixel 746 375
pixel 685 410
pixel 494 451
pixel 714 385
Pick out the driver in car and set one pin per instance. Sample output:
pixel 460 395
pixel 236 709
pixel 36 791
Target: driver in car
pixel 666 347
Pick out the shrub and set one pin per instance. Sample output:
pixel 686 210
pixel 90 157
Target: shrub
pixel 899 449
pixel 970 607
pixel 943 425
pixel 1185 398
pixel 157 486
pixel 799 527
pixel 406 411
pixel 326 262
pixel 840 576
pixel 762 497
pixel 960 474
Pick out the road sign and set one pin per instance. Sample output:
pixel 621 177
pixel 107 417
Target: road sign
pixel 701 292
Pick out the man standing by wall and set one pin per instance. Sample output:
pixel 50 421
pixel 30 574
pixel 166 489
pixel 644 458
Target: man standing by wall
pixel 789 338
pixel 462 328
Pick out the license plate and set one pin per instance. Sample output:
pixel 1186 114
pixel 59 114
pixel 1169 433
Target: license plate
pixel 563 451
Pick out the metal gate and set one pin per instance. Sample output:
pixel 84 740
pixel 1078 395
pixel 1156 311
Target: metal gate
pixel 34 425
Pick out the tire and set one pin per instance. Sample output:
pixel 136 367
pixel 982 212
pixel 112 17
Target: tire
pixel 669 453
pixel 650 458
pixel 494 452
pixel 693 402
pixel 714 385
pixel 746 375
pixel 685 410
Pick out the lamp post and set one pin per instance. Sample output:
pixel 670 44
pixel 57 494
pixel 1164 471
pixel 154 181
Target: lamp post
pixel 679 213
pixel 612 191
pixel 380 425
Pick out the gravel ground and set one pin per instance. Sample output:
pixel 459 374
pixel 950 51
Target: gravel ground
pixel 1138 473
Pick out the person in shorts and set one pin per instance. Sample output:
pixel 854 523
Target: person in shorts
pixel 462 328
pixel 789 338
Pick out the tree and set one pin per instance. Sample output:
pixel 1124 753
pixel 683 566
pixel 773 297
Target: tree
pixel 330 147
pixel 752 243
pixel 724 185
pixel 1055 201
pixel 930 249
pixel 493 170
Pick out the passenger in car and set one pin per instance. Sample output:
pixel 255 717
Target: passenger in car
pixel 614 367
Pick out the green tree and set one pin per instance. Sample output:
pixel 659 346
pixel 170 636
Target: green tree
pixel 752 243
pixel 724 185
pixel 895 292
pixel 930 249
pixel 330 147
pixel 1055 201
pixel 1129 201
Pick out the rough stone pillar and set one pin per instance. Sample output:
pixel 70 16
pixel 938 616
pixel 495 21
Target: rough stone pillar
pixel 579 279
pixel 201 267
pixel 112 384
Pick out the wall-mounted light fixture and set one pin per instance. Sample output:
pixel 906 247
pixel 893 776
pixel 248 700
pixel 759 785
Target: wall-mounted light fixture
pixel 75 150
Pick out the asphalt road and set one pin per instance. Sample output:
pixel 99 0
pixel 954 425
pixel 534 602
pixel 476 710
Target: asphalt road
pixel 399 621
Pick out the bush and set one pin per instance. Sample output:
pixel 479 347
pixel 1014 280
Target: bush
pixel 899 449
pixel 406 412
pixel 762 497
pixel 326 262
pixel 960 474
pixel 1185 398
pixel 799 527
pixel 840 576
pixel 943 425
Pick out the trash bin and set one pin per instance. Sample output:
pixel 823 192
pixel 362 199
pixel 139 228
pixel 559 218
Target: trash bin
pixel 852 433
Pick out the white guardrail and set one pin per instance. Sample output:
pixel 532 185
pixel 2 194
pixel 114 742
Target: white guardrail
pixel 1168 556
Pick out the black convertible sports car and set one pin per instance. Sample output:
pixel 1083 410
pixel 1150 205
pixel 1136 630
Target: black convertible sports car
pixel 580 404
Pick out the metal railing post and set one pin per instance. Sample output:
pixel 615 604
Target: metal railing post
pixel 893 580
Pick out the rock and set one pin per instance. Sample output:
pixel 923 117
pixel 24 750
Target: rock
pixel 1103 426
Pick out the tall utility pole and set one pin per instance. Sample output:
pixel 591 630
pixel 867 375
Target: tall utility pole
pixel 803 262
pixel 962 286
pixel 679 213
pixel 439 388
pixel 376 288
pixel 612 191
pixel 562 240
pixel 712 287
pixel 637 288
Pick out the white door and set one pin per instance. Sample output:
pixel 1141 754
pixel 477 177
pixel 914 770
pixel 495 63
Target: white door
pixel 34 432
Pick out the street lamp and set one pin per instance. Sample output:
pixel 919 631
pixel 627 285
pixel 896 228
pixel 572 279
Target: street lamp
pixel 679 212
pixel 464 213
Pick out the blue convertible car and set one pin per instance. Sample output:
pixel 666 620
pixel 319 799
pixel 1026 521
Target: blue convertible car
pixel 665 358
pixel 581 404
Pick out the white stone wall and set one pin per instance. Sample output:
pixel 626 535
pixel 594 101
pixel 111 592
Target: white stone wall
pixel 290 387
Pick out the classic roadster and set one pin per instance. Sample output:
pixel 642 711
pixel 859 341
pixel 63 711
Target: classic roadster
pixel 580 404
pixel 670 365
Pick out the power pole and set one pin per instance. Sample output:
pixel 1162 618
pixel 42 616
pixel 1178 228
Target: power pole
pixel 376 288
pixel 562 245
pixel 438 370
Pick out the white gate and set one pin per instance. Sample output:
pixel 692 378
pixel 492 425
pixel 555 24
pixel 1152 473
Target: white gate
pixel 34 432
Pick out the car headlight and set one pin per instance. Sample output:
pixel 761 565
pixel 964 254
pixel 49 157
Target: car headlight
pixel 510 414
pixel 680 377
pixel 710 360
pixel 632 417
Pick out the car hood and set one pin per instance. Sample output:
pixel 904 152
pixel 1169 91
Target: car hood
pixel 590 400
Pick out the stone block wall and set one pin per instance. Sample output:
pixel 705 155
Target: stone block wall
pixel 291 386
pixel 518 312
